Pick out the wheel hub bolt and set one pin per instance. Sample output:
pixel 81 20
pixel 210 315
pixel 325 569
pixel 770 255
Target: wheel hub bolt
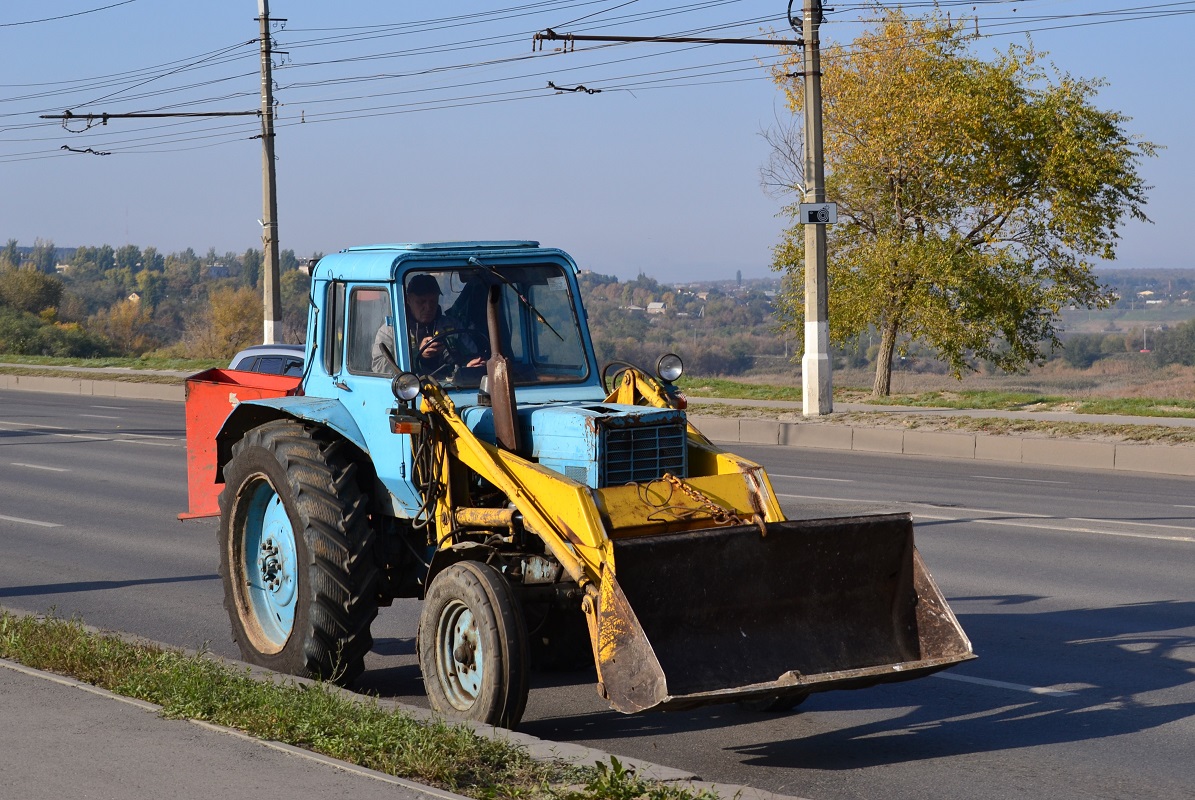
pixel 463 654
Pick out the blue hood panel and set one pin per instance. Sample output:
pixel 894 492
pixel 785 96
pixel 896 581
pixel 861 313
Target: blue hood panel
pixel 597 444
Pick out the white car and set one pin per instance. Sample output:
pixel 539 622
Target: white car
pixel 276 359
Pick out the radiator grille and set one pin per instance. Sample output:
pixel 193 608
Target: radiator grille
pixel 642 453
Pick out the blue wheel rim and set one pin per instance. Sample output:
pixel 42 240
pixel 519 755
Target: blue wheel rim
pixel 460 656
pixel 270 564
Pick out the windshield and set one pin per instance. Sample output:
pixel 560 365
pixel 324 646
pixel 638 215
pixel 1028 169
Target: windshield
pixel 537 322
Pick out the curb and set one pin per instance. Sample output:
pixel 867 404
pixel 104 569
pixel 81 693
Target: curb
pixel 89 387
pixel 1119 457
pixel 538 749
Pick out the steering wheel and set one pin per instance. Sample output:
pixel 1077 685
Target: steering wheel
pixel 453 354
pixel 623 366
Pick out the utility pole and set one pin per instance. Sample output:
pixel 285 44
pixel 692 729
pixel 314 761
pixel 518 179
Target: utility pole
pixel 815 365
pixel 816 391
pixel 269 192
pixel 269 188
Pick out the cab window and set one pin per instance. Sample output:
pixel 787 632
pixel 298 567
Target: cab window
pixel 370 319
pixel 334 327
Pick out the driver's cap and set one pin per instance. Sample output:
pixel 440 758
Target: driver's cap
pixel 423 284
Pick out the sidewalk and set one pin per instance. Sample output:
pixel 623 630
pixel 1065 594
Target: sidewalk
pixel 1043 416
pixel 828 434
pixel 63 738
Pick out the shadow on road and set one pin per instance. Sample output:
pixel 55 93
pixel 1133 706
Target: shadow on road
pixel 1129 668
pixel 94 586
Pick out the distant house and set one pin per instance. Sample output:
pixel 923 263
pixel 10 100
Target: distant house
pixel 62 269
pixel 219 271
pixel 134 298
pixel 655 308
pixel 630 308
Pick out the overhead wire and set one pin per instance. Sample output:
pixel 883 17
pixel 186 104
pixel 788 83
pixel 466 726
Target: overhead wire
pixel 677 77
pixel 64 16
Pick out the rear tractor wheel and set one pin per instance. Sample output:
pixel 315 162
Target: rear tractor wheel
pixel 300 583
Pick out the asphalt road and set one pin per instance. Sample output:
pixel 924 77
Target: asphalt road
pixel 1076 587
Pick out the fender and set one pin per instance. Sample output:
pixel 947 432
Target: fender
pixel 248 414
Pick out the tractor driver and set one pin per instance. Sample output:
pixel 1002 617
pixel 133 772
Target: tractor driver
pixel 427 325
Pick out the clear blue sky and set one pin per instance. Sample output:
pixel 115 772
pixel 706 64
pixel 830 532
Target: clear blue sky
pixel 419 121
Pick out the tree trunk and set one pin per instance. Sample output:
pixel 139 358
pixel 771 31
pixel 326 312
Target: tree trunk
pixel 882 387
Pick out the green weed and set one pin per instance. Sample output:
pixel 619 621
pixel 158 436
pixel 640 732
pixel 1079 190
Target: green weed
pixel 314 716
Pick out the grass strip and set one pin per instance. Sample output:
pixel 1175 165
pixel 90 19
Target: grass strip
pixel 737 390
pixel 115 362
pixel 123 377
pixel 992 426
pixel 999 426
pixel 963 399
pixel 316 717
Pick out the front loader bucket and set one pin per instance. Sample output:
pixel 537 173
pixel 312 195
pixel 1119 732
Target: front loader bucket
pixel 726 614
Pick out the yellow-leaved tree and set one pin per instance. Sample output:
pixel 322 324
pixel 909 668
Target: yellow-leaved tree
pixel 231 321
pixel 973 194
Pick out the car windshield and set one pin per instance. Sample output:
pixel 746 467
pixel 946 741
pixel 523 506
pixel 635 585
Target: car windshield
pixel 537 321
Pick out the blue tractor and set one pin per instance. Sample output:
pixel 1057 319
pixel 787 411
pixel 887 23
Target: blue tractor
pixel 452 438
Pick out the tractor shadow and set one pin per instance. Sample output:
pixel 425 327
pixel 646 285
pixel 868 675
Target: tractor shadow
pixel 1126 668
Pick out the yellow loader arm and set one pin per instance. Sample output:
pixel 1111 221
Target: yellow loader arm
pixel 697 590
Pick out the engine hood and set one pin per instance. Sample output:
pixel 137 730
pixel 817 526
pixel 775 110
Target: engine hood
pixel 597 444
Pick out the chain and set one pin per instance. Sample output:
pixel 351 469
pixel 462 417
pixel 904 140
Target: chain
pixel 721 516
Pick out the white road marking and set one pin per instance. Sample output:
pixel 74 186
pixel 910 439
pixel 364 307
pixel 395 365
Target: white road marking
pixel 810 478
pixel 1020 480
pixel 39 523
pixel 39 466
pixel 99 416
pixel 1016 687
pixel 51 430
pixel 112 408
pixel 151 444
pixel 1058 528
pixel 1020 519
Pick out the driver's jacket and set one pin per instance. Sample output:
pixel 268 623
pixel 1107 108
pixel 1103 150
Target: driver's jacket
pixel 418 331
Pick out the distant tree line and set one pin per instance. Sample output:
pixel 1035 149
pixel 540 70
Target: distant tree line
pixel 1164 344
pixel 719 332
pixel 131 301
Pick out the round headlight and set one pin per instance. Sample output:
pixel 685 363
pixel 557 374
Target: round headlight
pixel 405 386
pixel 669 367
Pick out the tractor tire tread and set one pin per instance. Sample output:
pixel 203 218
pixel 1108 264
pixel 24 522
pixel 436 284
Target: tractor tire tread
pixel 333 520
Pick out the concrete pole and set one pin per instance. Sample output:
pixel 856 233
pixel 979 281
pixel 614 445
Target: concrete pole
pixel 272 299
pixel 815 365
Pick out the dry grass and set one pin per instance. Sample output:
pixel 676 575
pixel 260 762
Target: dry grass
pixel 1110 378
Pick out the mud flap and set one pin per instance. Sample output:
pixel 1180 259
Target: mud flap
pixel 727 614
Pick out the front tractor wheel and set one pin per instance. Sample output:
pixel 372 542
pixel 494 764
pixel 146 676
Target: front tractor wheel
pixel 472 646
pixel 300 584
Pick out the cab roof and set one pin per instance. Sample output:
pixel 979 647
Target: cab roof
pixel 381 262
pixel 492 244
